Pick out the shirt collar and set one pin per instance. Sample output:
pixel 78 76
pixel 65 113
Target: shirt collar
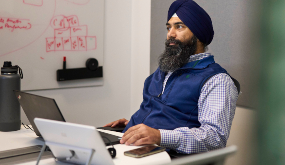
pixel 199 56
pixel 200 61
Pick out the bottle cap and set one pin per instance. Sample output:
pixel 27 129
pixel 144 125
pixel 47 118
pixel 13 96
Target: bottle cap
pixel 8 68
pixel 7 64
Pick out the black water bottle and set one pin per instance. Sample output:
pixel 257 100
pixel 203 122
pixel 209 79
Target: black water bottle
pixel 10 118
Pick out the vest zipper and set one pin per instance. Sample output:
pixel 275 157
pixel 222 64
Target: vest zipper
pixel 178 75
pixel 166 83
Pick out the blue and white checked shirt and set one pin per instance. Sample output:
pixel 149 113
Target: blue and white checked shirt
pixel 216 109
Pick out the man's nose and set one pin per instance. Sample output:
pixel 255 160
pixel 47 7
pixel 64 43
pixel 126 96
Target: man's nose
pixel 171 33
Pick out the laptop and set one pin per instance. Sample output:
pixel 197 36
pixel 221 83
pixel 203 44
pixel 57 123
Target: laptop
pixel 46 108
pixel 73 141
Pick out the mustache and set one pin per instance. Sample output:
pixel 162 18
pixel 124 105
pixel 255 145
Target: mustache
pixel 172 40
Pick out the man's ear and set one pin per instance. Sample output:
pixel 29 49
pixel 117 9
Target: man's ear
pixel 200 47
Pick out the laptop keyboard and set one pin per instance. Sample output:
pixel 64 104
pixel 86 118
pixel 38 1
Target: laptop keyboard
pixel 114 139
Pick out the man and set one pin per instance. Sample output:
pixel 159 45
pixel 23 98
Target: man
pixel 189 101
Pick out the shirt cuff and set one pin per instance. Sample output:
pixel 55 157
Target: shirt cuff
pixel 169 139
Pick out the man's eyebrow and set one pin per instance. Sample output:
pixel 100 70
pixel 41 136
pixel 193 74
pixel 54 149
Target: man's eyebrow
pixel 176 23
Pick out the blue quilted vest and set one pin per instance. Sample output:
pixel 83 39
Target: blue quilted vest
pixel 178 105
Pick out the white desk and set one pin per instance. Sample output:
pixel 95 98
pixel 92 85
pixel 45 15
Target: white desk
pixel 26 138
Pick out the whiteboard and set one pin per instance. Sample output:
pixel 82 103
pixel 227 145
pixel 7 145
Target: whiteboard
pixel 37 34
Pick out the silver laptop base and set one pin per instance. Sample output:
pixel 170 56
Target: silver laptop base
pixel 91 151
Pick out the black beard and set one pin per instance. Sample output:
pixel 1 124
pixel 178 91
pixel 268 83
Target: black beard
pixel 175 56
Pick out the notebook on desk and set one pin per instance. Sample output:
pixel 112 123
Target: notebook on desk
pixel 46 108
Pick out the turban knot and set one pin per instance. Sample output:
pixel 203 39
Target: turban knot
pixel 195 18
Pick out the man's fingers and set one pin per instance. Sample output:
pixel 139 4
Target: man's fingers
pixel 133 128
pixel 126 123
pixel 142 141
pixel 127 136
pixel 133 131
pixel 120 122
pixel 108 125
pixel 133 139
pixel 115 123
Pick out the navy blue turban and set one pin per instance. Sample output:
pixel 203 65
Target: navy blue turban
pixel 195 18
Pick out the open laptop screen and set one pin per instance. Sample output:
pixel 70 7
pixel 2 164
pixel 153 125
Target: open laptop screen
pixel 38 106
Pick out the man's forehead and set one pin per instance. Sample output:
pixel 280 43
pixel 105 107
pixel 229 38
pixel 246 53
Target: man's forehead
pixel 174 20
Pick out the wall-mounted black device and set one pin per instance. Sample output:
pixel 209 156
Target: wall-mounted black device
pixel 91 71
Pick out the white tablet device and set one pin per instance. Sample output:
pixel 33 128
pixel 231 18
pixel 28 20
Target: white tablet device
pixel 57 133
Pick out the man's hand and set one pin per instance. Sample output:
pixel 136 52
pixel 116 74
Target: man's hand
pixel 141 134
pixel 118 123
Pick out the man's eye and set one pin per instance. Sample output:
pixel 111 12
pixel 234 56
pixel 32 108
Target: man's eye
pixel 179 27
pixel 168 28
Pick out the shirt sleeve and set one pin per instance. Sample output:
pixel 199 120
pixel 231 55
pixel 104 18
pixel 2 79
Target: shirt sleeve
pixel 216 106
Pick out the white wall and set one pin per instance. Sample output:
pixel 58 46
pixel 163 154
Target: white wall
pixel 140 63
pixel 126 65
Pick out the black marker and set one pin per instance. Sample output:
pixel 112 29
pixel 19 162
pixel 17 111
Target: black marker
pixel 64 62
